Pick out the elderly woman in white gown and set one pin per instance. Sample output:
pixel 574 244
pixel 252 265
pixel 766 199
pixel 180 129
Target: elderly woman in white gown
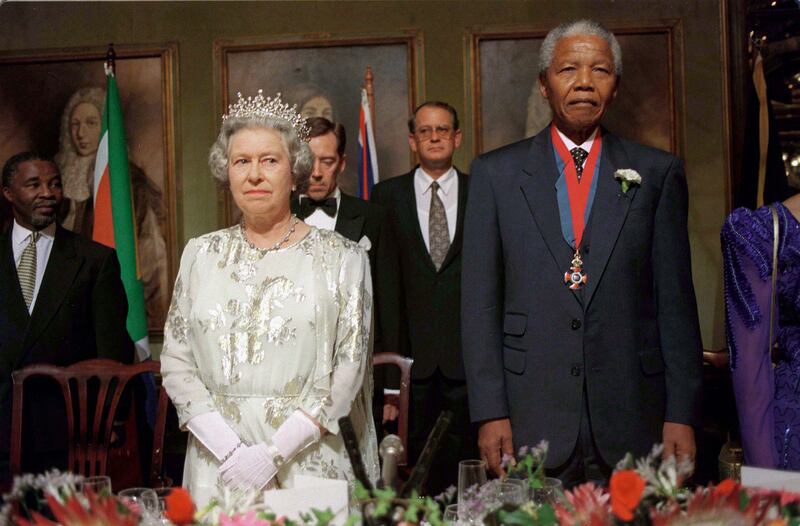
pixel 266 344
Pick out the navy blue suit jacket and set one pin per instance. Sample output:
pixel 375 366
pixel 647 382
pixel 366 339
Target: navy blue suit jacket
pixel 631 336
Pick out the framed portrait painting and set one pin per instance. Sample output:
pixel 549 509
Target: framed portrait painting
pixel 323 75
pixel 507 106
pixel 51 102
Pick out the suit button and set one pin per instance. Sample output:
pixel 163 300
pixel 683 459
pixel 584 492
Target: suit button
pixel 576 370
pixel 576 324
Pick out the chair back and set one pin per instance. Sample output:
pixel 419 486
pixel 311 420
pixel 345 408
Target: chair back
pixel 404 364
pixel 89 429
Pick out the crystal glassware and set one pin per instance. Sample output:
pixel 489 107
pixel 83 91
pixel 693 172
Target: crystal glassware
pixel 471 476
pixel 549 493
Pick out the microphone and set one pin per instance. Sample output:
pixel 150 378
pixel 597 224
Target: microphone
pixel 351 445
pixel 390 450
pixel 432 446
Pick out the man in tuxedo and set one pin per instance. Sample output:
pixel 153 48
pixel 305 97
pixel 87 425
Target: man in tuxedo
pixel 578 310
pixel 61 301
pixel 419 277
pixel 323 204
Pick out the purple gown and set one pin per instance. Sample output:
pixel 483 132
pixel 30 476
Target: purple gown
pixel 767 397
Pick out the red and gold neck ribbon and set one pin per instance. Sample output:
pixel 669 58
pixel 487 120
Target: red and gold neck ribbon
pixel 579 193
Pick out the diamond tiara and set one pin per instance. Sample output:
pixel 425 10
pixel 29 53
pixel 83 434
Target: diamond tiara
pixel 258 106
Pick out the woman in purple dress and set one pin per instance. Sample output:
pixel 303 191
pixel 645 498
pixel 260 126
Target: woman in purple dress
pixel 767 396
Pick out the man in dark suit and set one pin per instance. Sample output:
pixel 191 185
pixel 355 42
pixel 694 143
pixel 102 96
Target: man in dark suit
pixel 419 278
pixel 582 334
pixel 61 301
pixel 323 204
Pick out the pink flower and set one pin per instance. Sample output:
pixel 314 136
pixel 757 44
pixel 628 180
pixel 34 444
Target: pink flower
pixel 246 519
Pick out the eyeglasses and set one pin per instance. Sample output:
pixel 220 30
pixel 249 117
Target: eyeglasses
pixel 426 133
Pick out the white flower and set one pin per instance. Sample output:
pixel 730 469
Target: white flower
pixel 632 176
pixel 627 178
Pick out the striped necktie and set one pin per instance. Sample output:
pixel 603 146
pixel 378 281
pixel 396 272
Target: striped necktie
pixel 27 270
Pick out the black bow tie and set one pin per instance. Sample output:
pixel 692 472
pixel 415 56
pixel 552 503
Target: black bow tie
pixel 308 205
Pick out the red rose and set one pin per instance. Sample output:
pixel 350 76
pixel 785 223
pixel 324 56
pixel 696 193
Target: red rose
pixel 626 488
pixel 180 508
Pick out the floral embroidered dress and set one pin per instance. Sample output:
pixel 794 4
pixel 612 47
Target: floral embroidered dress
pixel 767 397
pixel 256 334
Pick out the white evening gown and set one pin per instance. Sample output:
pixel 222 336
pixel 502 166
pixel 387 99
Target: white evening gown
pixel 256 334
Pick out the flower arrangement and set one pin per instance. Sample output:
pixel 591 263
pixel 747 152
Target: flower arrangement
pixel 647 492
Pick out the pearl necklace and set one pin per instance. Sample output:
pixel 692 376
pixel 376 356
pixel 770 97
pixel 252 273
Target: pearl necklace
pixel 276 246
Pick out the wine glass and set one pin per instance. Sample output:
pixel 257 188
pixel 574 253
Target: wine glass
pixel 549 493
pixel 145 499
pixel 100 485
pixel 509 493
pixel 451 514
pixel 471 476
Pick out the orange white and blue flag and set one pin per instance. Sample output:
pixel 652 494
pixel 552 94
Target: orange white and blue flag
pixel 367 156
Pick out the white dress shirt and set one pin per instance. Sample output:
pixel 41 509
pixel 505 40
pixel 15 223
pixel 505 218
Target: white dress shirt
pixel 587 144
pixel 319 218
pixel 448 193
pixel 20 238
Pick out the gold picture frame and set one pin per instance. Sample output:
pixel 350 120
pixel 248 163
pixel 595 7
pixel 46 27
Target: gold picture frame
pixel 36 88
pixel 330 70
pixel 647 108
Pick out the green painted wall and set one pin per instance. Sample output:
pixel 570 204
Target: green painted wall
pixel 195 26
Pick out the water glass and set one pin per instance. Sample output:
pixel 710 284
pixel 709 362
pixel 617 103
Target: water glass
pixel 510 493
pixel 471 476
pixel 451 514
pixel 100 485
pixel 147 501
pixel 162 493
pixel 549 493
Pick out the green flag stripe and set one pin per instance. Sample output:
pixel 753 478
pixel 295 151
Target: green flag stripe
pixel 122 206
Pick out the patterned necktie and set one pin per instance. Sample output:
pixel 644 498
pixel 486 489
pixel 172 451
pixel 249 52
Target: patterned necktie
pixel 27 270
pixel 438 233
pixel 579 155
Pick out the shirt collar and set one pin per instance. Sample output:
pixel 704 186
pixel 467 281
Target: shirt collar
pixel 446 181
pixel 20 234
pixel 587 144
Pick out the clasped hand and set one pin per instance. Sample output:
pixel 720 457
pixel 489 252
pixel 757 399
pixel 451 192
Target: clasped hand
pixel 249 468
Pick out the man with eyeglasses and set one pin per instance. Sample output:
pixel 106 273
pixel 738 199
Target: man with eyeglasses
pixel 419 277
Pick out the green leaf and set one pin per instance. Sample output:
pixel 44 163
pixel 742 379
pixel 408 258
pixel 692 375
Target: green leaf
pixel 515 518
pixel 361 493
pixel 323 517
pixel 547 514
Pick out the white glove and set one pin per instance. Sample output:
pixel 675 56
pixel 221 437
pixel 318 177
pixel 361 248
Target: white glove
pixel 214 433
pixel 295 434
pixel 249 468
pixel 252 467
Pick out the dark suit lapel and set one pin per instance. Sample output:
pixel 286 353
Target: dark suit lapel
pixel 14 304
pixel 539 189
pixel 349 220
pixel 62 266
pixel 409 213
pixel 609 210
pixel 455 246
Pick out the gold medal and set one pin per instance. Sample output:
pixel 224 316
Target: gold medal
pixel 575 278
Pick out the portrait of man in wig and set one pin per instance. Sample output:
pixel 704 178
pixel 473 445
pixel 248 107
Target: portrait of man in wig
pixel 79 136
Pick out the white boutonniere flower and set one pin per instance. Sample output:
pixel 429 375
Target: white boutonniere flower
pixel 627 178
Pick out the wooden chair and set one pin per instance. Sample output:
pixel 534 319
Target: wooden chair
pixel 88 450
pixel 400 401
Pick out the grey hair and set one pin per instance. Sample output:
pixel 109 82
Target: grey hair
pixel 300 156
pixel 578 27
